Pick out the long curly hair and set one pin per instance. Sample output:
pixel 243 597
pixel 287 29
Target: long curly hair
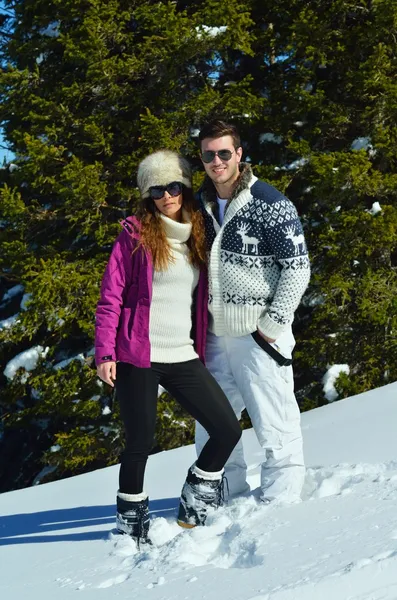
pixel 153 237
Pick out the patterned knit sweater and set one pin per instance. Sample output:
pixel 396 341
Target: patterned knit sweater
pixel 258 264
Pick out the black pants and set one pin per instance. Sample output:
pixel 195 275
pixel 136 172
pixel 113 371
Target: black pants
pixel 196 390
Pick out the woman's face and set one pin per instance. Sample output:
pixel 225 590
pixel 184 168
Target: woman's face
pixel 168 199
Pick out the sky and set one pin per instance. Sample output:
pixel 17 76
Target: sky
pixel 3 152
pixel 58 540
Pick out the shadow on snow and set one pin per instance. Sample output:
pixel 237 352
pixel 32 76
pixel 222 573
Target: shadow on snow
pixel 45 526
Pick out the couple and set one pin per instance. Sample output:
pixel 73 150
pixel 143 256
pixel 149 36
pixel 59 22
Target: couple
pixel 214 280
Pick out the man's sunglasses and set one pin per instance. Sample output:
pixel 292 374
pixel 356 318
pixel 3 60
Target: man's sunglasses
pixel 209 155
pixel 158 191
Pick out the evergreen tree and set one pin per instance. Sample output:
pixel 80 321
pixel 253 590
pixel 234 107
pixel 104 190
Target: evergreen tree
pixel 87 89
pixel 327 71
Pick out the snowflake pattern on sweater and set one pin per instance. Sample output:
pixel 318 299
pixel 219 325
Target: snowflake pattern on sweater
pixel 258 266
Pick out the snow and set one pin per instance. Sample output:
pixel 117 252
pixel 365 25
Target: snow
pixel 296 164
pixel 25 300
pixel 52 30
pixel 270 137
pixel 57 539
pixel 27 360
pixel 210 31
pixel 8 323
pixel 330 378
pixel 16 289
pixel 64 363
pixel 375 209
pixel 313 299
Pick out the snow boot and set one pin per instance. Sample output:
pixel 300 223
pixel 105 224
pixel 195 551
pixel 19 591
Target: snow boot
pixel 132 517
pixel 201 492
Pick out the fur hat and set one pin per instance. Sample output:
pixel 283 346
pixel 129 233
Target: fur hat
pixel 161 168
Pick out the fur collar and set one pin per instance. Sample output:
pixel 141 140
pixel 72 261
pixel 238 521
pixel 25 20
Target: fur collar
pixel 208 190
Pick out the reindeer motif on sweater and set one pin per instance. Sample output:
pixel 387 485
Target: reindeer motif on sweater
pixel 297 240
pixel 248 241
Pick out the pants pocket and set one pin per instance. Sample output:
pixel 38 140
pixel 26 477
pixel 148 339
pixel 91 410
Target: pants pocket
pixel 272 349
pixel 284 370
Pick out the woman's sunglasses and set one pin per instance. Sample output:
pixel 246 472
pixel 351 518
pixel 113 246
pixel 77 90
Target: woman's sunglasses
pixel 209 155
pixel 157 191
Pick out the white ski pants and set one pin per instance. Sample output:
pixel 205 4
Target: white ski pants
pixel 252 379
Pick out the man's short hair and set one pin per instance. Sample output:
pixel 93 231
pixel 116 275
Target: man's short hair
pixel 217 129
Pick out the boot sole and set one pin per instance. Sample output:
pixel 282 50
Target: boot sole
pixel 185 525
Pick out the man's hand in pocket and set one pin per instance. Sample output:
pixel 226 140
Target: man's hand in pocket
pixel 270 340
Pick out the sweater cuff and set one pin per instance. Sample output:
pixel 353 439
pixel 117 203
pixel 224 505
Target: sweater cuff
pixel 270 328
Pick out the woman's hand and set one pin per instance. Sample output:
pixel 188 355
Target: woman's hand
pixel 107 372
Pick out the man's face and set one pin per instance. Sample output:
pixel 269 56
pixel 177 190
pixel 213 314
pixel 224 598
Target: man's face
pixel 222 171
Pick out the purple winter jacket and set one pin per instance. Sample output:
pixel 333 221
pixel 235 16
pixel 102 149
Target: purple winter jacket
pixel 122 314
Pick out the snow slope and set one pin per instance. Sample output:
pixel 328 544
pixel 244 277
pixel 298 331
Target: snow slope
pixel 340 543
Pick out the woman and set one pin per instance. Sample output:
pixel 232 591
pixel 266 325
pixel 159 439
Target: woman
pixel 153 294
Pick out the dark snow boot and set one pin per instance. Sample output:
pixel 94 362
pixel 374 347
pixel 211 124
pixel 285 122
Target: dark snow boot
pixel 201 492
pixel 132 517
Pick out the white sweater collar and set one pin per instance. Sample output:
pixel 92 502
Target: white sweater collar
pixel 175 230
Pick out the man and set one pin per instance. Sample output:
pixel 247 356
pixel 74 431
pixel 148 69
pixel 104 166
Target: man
pixel 258 271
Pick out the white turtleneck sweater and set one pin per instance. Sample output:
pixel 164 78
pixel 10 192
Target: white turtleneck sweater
pixel 170 310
